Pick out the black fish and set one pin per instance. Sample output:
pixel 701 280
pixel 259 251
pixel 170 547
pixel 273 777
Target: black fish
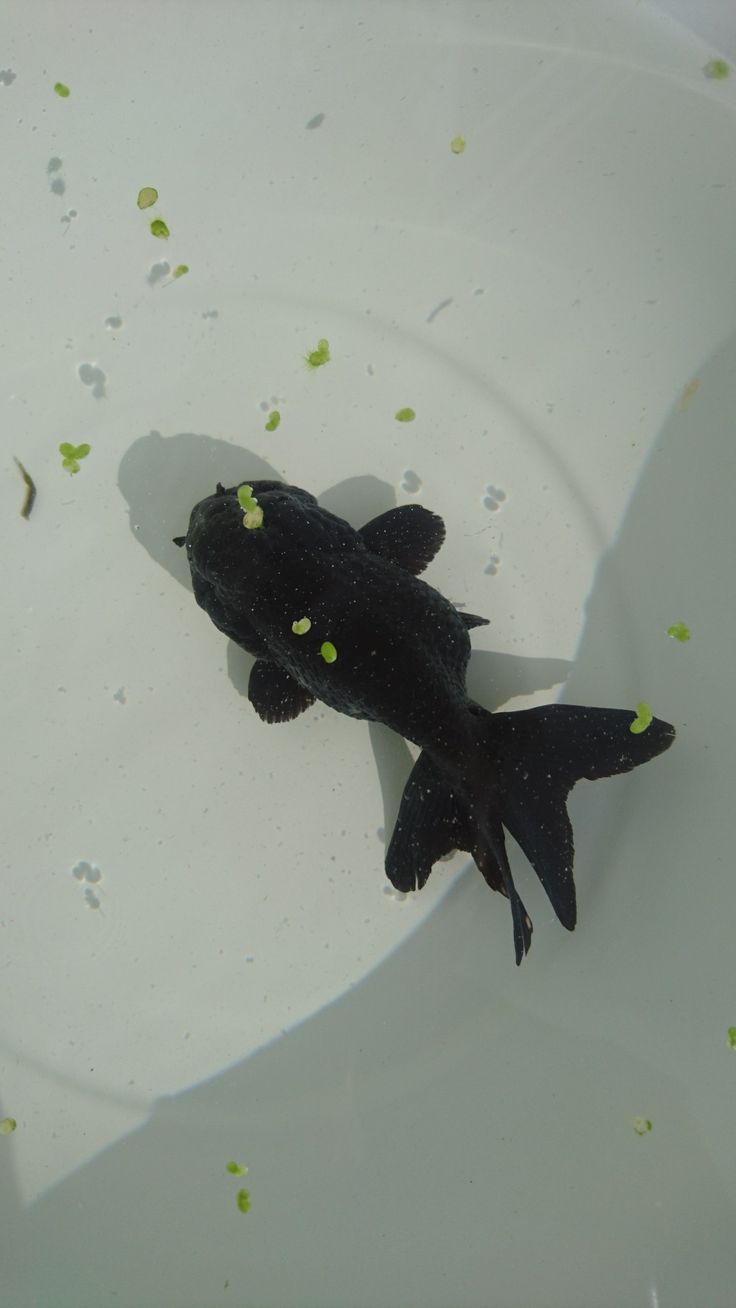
pixel 401 654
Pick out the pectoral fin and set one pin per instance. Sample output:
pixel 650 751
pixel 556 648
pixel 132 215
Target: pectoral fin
pixel 275 695
pixel 472 619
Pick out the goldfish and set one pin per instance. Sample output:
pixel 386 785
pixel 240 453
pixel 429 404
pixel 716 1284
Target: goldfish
pixel 340 615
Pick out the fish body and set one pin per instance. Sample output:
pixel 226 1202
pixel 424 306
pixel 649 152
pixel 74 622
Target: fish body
pixel 402 652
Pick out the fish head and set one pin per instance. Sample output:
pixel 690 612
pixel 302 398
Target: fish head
pixel 233 557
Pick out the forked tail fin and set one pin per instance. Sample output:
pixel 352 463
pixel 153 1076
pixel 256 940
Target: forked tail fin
pixel 530 763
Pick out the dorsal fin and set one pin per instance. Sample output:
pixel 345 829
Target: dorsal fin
pixel 409 536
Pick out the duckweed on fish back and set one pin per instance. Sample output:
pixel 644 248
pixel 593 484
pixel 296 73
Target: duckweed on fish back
pixel 379 644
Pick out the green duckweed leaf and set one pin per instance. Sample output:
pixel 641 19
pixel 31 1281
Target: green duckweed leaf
pixel 317 358
pixel 642 720
pixel 642 1125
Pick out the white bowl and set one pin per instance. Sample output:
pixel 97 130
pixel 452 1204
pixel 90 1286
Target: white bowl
pixel 200 959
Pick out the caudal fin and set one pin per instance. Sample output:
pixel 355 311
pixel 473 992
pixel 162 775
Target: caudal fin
pixel 532 760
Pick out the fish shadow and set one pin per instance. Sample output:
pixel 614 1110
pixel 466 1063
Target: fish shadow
pixel 162 478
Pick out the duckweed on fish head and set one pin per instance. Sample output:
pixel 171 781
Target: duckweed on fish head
pixel 253 516
pixel 643 719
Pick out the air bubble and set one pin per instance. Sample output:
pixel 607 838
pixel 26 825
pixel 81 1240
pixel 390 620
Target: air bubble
pixel 493 498
pixel 411 482
pixel 157 272
pixel 91 375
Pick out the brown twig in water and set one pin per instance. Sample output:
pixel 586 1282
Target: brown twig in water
pixel 29 500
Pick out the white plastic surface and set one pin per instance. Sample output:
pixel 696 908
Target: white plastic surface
pixel 200 961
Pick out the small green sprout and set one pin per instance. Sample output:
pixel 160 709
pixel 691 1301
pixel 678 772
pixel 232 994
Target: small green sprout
pixel 316 358
pixel 147 196
pixel 457 144
pixel 732 1037
pixel 243 1201
pixel 328 651
pixel 274 418
pixel 642 720
pixel 642 1125
pixel 159 229
pixel 253 515
pixel 71 454
pixel 7 1125
pixel 62 90
pixel 405 415
pixel 678 631
pixel 236 1169
pixel 301 627
pixel 718 69
pixel 180 270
